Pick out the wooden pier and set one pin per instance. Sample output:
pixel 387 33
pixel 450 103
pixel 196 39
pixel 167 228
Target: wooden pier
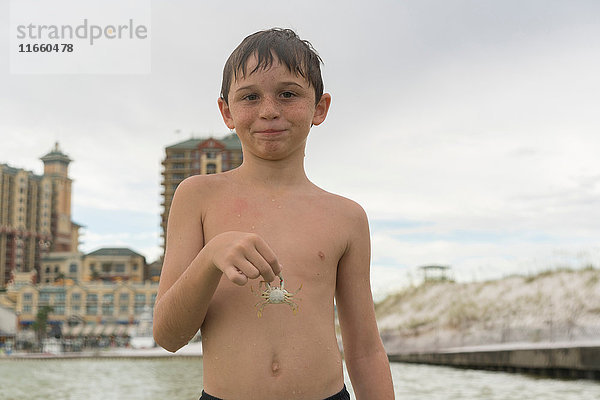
pixel 570 362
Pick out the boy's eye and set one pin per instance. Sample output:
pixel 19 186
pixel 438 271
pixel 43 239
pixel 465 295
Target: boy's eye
pixel 250 97
pixel 287 95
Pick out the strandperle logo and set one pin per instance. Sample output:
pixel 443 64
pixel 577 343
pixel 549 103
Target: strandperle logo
pixel 83 31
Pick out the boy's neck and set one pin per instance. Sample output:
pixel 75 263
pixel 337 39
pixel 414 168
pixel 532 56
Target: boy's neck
pixel 270 174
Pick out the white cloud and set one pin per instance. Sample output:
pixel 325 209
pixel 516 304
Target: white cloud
pixel 479 124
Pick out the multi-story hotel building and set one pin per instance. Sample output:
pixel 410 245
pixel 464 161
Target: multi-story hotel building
pixel 193 157
pixel 118 264
pixel 104 287
pixel 40 264
pixel 94 304
pixel 35 215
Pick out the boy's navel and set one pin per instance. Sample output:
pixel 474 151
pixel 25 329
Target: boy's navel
pixel 275 369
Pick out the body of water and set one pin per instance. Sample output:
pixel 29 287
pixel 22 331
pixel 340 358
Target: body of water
pixel 181 379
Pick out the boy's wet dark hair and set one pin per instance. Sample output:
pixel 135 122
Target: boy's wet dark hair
pixel 296 54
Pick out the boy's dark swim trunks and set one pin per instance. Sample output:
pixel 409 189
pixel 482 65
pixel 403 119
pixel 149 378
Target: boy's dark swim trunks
pixel 342 395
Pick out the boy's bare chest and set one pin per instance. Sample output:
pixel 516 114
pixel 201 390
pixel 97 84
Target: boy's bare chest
pixel 300 231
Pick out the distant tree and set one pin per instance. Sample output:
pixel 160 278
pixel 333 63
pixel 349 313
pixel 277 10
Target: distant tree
pixel 60 277
pixel 41 322
pixel 95 274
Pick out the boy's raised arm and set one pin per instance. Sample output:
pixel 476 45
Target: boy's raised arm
pixel 365 356
pixel 187 281
pixel 192 269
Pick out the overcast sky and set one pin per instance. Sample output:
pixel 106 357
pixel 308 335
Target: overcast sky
pixel 468 130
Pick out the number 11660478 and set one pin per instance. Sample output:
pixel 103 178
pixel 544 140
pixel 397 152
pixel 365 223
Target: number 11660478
pixel 46 48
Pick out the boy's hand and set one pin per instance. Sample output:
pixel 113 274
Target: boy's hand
pixel 242 256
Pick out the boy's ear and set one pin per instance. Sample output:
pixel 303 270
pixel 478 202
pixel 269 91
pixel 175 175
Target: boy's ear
pixel 321 109
pixel 225 113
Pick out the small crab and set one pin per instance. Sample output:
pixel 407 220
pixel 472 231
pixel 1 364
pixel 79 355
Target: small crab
pixel 274 295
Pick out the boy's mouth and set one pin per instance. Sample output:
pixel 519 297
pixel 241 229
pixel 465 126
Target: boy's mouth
pixel 270 132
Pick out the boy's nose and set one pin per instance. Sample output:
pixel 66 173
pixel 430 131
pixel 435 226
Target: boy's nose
pixel 269 109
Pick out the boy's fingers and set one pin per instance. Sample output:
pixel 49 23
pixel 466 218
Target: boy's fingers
pixel 263 267
pixel 268 255
pixel 278 269
pixel 236 276
pixel 247 268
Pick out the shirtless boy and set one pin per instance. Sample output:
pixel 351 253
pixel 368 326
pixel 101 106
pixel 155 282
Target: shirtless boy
pixel 229 231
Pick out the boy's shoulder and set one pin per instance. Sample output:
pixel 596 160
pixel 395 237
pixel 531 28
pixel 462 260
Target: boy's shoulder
pixel 346 206
pixel 201 183
pixel 196 190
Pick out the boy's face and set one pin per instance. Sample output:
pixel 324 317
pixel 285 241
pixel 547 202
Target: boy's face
pixel 272 110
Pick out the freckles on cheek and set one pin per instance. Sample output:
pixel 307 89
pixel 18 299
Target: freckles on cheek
pixel 300 117
pixel 244 118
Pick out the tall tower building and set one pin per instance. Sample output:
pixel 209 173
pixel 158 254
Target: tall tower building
pixel 56 168
pixel 193 157
pixel 35 215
